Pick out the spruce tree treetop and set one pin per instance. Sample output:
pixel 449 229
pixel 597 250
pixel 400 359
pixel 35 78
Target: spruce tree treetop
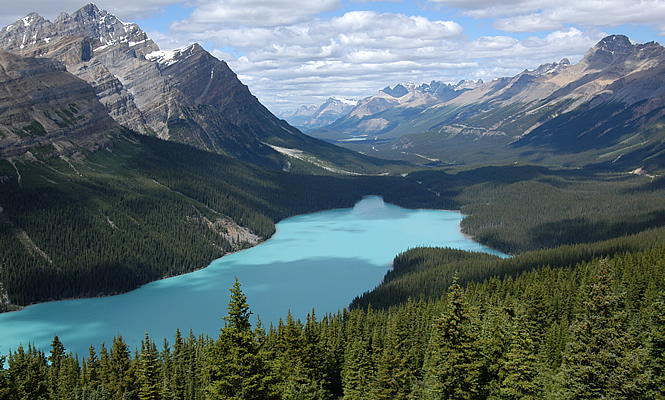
pixel 238 310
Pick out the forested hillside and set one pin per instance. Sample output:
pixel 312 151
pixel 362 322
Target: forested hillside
pixel 521 207
pixel 593 330
pixel 145 209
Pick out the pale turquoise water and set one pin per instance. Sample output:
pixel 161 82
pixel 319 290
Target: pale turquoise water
pixel 319 261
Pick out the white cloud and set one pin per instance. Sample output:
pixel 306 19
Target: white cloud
pixel 294 52
pixel 126 10
pixel 258 13
pixel 547 15
pixel 358 72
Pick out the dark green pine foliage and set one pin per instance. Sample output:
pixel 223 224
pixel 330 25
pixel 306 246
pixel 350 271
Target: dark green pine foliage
pixel 657 348
pixel 396 366
pixel 70 372
pixel 521 371
pixel 322 357
pixel 454 367
pixel 90 384
pixel 298 361
pixel 148 371
pixel 494 340
pixel 331 345
pixel 358 368
pixel 55 359
pixel 63 371
pixel 28 376
pixel 236 370
pixel 120 370
pixel 602 359
pixel 4 379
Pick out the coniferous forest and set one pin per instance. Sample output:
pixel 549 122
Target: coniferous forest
pixel 577 312
pixel 595 330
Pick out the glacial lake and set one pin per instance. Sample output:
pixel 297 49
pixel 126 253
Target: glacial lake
pixel 321 261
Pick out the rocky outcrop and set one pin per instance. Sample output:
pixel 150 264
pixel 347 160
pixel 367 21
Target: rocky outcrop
pixel 44 108
pixel 309 118
pixel 185 95
pixel 614 92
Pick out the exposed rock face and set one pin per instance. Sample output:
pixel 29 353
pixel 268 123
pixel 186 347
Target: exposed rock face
pixel 308 118
pixel 616 89
pixel 186 95
pixel 95 46
pixel 45 108
pixel 365 117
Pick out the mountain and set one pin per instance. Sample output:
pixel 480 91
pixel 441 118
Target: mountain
pixel 607 109
pixel 309 118
pixel 381 113
pixel 185 95
pixel 46 109
pixel 89 207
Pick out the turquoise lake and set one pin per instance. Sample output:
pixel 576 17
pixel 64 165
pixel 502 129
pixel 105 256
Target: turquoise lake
pixel 319 261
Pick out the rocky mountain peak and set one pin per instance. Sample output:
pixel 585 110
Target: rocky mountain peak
pixel 608 50
pixel 398 91
pixel 98 24
pixel 32 34
pixel 166 58
pixel 43 106
pixel 28 30
pixel 615 44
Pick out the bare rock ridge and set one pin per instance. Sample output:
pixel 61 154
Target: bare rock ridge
pixel 308 118
pixel 44 108
pixel 185 95
pixel 607 103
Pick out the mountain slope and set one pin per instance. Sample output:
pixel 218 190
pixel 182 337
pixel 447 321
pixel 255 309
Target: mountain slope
pixel 187 95
pixel 45 109
pixel 379 116
pixel 309 118
pixel 88 207
pixel 608 107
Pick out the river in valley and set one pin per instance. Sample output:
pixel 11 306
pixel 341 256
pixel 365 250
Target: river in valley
pixel 319 261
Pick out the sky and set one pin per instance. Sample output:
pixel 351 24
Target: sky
pixel 301 52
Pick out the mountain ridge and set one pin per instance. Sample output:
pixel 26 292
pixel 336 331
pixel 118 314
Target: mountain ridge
pixel 44 107
pixel 515 115
pixel 192 98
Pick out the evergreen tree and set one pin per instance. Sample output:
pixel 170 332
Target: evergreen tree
pixel 91 374
pixel 4 380
pixel 178 372
pixel 657 348
pixel 236 370
pixel 358 371
pixel 521 372
pixel 121 370
pixel 148 371
pixel 494 340
pixel 454 365
pixel 396 369
pixel 28 374
pixel 293 362
pixel 55 359
pixel 602 360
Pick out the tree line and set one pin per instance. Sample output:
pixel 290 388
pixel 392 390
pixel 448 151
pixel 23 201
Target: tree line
pixel 590 330
pixel 115 220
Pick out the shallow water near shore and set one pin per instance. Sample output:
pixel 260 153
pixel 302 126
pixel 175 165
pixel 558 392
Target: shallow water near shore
pixel 319 261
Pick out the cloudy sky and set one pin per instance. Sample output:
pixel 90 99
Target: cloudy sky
pixel 300 52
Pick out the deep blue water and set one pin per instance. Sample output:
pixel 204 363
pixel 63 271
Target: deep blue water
pixel 319 261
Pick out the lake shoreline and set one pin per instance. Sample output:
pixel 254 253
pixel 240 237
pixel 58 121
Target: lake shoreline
pixel 467 236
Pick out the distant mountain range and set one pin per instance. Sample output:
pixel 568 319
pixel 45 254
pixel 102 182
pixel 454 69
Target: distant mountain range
pixel 186 95
pixel 309 118
pixel 607 109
